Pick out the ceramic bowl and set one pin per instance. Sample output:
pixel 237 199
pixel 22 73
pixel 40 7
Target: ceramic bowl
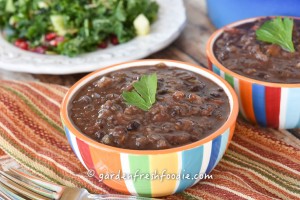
pixel 268 104
pixel 225 12
pixel 198 157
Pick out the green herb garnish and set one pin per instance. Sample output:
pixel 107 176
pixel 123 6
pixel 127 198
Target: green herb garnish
pixel 144 93
pixel 277 31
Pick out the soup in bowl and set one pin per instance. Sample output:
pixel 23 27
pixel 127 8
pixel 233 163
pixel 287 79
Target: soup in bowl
pixel 265 76
pixel 150 127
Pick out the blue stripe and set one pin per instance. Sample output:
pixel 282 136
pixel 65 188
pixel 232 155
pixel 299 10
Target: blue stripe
pixel 258 96
pixel 224 143
pixel 215 149
pixel 292 108
pixel 216 70
pixel 191 162
pixel 69 138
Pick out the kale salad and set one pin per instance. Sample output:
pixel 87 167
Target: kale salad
pixel 72 27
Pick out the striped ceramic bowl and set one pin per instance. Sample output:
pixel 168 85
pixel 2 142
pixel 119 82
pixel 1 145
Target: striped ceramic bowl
pixel 151 172
pixel 268 104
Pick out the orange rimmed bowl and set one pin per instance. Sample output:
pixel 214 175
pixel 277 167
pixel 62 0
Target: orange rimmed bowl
pixel 190 160
pixel 268 104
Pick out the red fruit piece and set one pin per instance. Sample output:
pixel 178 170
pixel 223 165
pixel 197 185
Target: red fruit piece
pixel 53 43
pixel 60 39
pixel 50 36
pixel 21 44
pixel 40 49
pixel 114 40
pixel 56 41
pixel 103 44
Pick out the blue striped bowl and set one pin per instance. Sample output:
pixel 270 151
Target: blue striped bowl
pixel 153 172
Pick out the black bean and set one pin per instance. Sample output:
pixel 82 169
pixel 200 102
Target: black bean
pixel 189 79
pixel 195 88
pixel 162 144
pixel 89 108
pixel 95 96
pixel 78 114
pixel 141 141
pixel 263 75
pixel 119 135
pixel 84 100
pixel 162 92
pixel 167 127
pixel 178 138
pixel 117 107
pixel 90 89
pixel 90 130
pixel 154 136
pixel 178 95
pixel 133 126
pixel 103 82
pixel 106 139
pixel 111 96
pixel 215 94
pixel 175 111
pixel 98 134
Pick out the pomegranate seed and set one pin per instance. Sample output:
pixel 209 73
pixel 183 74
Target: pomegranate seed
pixel 60 39
pixel 103 44
pixel 56 41
pixel 39 49
pixel 22 44
pixel 50 36
pixel 114 40
pixel 53 43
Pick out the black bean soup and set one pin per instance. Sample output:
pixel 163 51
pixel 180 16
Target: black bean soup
pixel 239 50
pixel 188 107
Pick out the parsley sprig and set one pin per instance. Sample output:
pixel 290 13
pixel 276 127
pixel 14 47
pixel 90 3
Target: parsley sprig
pixel 277 31
pixel 144 94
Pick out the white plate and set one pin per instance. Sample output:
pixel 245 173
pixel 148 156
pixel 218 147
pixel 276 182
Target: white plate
pixel 171 21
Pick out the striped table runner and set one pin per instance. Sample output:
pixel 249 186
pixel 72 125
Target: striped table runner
pixel 256 165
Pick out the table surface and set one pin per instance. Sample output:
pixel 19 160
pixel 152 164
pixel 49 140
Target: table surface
pixel 189 47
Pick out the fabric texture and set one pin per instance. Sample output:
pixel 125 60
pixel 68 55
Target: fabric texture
pixel 255 166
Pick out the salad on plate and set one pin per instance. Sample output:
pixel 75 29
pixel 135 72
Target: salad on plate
pixel 72 27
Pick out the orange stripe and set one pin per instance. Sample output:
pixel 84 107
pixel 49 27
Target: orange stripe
pixel 108 163
pixel 232 131
pixel 246 98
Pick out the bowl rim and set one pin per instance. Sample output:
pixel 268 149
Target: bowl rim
pixel 211 56
pixel 72 91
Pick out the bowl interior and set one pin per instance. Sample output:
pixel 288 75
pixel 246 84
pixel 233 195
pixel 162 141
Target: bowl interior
pixel 204 72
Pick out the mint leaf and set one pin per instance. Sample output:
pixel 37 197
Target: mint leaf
pixel 277 31
pixel 144 93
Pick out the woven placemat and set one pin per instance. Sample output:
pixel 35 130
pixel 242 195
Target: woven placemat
pixel 256 165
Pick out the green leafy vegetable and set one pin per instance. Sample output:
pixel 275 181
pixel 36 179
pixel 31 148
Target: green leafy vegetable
pixel 277 31
pixel 81 25
pixel 144 93
pixel 9 7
